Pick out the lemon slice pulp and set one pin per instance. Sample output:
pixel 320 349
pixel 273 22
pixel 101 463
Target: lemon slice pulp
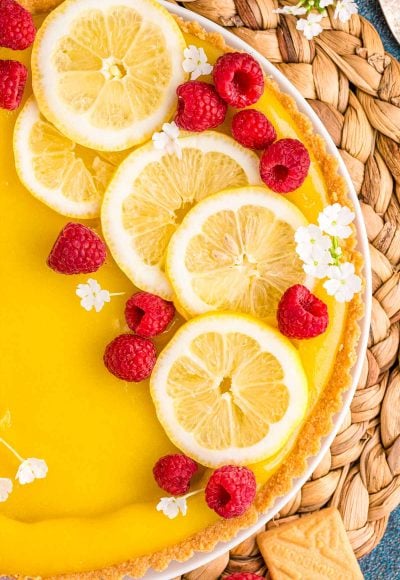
pixel 229 389
pixel 68 178
pixel 151 192
pixel 236 251
pixel 105 73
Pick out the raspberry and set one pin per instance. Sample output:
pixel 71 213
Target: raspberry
pixel 174 472
pixel 13 76
pixel 301 314
pixel 130 358
pixel 148 315
pixel 284 165
pixel 252 129
pixel 199 107
pixel 77 250
pixel 239 79
pixel 17 29
pixel 230 490
pixel 243 576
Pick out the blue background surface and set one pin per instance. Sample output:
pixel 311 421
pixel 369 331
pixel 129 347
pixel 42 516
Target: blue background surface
pixel 372 10
pixel 384 562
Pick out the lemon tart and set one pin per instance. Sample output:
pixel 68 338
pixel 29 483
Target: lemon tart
pixel 94 512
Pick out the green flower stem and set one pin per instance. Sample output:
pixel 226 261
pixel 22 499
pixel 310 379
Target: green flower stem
pixel 310 5
pixel 8 446
pixel 195 492
pixel 335 250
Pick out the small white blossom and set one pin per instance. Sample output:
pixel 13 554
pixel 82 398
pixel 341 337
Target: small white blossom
pixel 317 262
pixel 6 487
pixel 172 506
pixel 31 469
pixel 293 10
pixel 92 295
pixel 311 25
pixel 335 220
pixel 343 283
pixel 168 139
pixel 196 62
pixel 309 237
pixel 345 9
pixel 325 3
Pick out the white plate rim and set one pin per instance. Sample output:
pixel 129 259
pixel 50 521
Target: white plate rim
pixel 201 558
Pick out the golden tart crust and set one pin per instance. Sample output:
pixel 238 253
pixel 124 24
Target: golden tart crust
pixel 36 6
pixel 318 424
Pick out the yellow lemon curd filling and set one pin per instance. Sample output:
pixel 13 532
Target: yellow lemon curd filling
pixel 99 436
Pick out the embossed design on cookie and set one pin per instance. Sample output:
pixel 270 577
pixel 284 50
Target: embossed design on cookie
pixel 315 546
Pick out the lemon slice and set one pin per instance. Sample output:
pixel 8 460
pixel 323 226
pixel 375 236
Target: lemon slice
pixel 236 251
pixel 152 191
pixel 105 73
pixel 67 177
pixel 229 389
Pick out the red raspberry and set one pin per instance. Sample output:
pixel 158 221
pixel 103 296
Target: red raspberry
pixel 77 250
pixel 243 576
pixel 130 358
pixel 252 129
pixel 230 490
pixel 148 315
pixel 174 472
pixel 239 79
pixel 13 76
pixel 199 107
pixel 301 314
pixel 284 165
pixel 17 29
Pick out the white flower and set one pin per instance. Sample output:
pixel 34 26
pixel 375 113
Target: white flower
pixel 317 262
pixel 311 26
pixel 6 487
pixel 313 247
pixel 31 469
pixel 309 237
pixel 92 295
pixel 343 283
pixel 172 506
pixel 345 9
pixel 293 10
pixel 168 139
pixel 325 3
pixel 335 220
pixel 196 62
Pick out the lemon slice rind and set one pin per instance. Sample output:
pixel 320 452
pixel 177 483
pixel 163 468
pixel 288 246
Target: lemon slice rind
pixel 78 126
pixel 269 341
pixel 229 200
pixel 149 277
pixel 54 197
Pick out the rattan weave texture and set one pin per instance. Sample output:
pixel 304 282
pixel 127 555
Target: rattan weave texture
pixel 354 86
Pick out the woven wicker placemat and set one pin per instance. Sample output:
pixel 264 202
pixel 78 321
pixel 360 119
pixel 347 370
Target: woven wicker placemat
pixel 354 86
